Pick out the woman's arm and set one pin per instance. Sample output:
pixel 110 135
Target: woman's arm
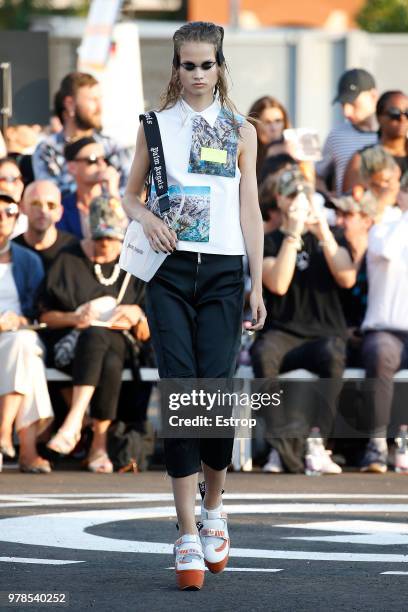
pixel 251 221
pixel 56 319
pixel 352 174
pixel 160 236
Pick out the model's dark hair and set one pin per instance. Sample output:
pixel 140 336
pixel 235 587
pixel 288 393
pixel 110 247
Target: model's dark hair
pixel 254 116
pixel 200 32
pixel 69 87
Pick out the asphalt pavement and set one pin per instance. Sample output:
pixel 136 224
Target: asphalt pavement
pixel 299 543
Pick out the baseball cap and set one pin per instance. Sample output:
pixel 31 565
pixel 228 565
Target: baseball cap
pixel 6 197
pixel 364 202
pixel 107 219
pixel 352 83
pixel 292 182
pixel 72 149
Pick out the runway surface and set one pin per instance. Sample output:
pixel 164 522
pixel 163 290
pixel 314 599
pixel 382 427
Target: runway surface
pixel 298 543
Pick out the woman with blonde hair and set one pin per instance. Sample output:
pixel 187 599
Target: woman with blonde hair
pixel 195 300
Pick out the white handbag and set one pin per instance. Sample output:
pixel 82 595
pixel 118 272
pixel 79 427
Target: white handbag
pixel 137 256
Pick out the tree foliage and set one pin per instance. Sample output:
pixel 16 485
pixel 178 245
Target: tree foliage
pixel 17 14
pixel 384 16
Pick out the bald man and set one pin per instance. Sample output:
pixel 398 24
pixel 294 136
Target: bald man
pixel 42 204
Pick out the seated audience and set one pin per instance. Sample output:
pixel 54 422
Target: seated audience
pixel 355 215
pixel 385 327
pixel 87 163
pixel 24 399
pixel 78 105
pixel 358 97
pixel 42 205
pixel 270 118
pixel 11 182
pixel 80 303
pixel 392 116
pixel 303 269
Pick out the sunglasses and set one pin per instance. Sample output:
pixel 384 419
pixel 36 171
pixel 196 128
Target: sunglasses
pixel 10 211
pixel 11 179
pixel 39 204
pixel 396 114
pixel 92 159
pixel 189 66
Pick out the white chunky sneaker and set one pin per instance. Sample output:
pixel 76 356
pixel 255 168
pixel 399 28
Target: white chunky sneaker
pixel 189 563
pixel 214 536
pixel 328 465
pixel 273 464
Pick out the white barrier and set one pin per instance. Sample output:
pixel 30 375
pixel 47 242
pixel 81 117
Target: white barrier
pixel 241 456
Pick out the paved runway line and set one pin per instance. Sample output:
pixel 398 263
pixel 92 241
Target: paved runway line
pixel 74 499
pixel 70 530
pixel 37 561
pixel 369 532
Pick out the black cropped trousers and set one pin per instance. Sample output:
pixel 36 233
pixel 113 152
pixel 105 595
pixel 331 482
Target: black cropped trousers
pixel 194 305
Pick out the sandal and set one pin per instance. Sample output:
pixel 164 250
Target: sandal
pixel 64 442
pixel 39 466
pixel 8 451
pixel 100 464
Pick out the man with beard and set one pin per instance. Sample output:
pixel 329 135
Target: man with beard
pixel 87 163
pixel 78 106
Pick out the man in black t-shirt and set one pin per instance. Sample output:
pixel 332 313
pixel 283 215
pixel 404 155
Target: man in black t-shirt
pixel 304 267
pixel 42 205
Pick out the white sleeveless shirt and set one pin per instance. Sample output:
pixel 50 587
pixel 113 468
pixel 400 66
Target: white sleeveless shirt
pixel 200 151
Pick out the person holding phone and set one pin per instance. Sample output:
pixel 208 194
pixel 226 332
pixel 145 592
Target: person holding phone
pixel 303 268
pixel 24 401
pixel 195 300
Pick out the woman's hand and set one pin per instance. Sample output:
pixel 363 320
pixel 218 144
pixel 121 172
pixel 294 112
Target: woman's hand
pixel 258 310
pixel 316 224
pixel 10 321
pixel 296 215
pixel 84 316
pixel 160 236
pixel 126 316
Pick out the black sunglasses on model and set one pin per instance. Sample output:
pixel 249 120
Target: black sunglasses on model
pixel 189 66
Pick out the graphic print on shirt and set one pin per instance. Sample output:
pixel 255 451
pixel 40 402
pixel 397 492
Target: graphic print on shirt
pixel 214 149
pixel 302 261
pixel 193 223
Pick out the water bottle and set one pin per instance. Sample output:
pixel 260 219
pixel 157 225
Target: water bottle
pixel 401 455
pixel 313 458
pixel 1 462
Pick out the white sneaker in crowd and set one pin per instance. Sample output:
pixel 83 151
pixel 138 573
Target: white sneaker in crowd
pixel 273 464
pixel 318 460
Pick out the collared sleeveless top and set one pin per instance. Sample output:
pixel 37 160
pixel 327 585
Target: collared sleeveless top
pixel 200 151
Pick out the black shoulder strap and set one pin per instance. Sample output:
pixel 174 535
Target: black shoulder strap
pixel 156 155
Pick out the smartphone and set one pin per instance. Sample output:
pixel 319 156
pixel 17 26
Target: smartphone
pixel 306 143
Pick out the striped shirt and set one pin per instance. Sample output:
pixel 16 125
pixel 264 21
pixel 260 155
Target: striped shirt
pixel 341 144
pixel 49 161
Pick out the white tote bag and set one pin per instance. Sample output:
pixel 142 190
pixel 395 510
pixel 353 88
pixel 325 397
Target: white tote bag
pixel 137 256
